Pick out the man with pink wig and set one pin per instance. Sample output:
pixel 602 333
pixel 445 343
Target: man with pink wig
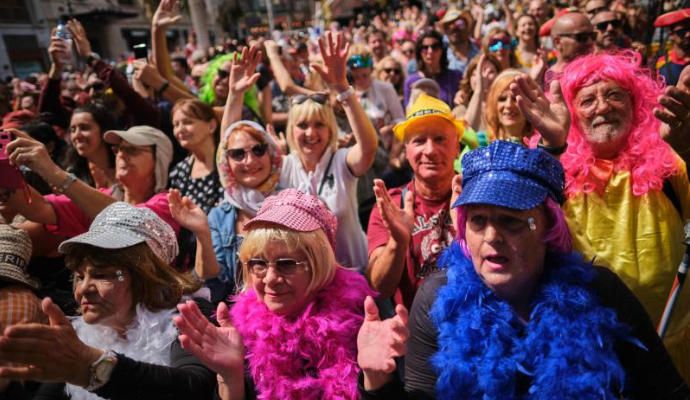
pixel 627 190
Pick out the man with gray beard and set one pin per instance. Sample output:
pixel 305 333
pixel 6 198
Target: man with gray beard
pixel 627 189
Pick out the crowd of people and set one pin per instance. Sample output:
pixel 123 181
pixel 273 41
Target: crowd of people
pixel 485 201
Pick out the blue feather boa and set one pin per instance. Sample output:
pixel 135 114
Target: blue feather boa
pixel 566 351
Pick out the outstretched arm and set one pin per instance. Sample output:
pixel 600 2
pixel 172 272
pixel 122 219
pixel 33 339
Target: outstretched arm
pixel 243 76
pixel 166 15
pixel 280 73
pixel 334 51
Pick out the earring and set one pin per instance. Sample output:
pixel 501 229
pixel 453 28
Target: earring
pixel 532 224
pixel 120 275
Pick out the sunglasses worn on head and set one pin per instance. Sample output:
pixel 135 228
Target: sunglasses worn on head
pixel 602 26
pixel 283 266
pixel 320 98
pixel 360 61
pixel 240 154
pixel 582 37
pixel 497 45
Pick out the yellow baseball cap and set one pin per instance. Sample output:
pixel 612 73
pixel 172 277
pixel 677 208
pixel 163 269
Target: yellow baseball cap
pixel 424 111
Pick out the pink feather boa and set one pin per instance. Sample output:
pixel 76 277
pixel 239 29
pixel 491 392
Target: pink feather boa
pixel 313 356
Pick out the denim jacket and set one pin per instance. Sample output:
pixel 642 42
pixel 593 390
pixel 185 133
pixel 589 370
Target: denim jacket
pixel 226 244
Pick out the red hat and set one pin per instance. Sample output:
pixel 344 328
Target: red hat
pixel 672 18
pixel 545 29
pixel 15 119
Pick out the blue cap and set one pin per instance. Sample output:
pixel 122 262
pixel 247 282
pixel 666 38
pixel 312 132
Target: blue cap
pixel 509 175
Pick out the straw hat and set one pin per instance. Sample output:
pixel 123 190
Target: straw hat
pixel 15 253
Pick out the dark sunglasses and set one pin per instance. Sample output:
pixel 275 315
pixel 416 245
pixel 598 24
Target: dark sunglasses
pixel 392 71
pixel 240 154
pixel 680 32
pixel 222 73
pixel 320 98
pixel 582 37
pixel 434 46
pixel 602 26
pixel 283 266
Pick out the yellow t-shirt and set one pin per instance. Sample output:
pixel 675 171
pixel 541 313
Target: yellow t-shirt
pixel 641 239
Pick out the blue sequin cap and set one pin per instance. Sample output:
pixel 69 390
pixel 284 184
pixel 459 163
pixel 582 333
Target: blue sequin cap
pixel 510 175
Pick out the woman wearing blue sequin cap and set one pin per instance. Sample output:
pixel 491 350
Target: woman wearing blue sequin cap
pixel 515 314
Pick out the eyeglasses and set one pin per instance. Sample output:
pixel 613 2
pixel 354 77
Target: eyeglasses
pixel 239 154
pixel 590 102
pixel 408 52
pixel 582 37
pixel 496 45
pixel 392 71
pixel 223 73
pixel 504 222
pixel 602 26
pixel 132 151
pixel 680 32
pixel 432 47
pixel 360 61
pixel 320 98
pixel 283 266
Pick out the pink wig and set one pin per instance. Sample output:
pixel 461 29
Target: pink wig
pixel 648 158
pixel 557 237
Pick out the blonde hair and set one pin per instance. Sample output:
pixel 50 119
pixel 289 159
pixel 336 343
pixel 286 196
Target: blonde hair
pixel 500 84
pixel 155 284
pixel 314 245
pixel 310 110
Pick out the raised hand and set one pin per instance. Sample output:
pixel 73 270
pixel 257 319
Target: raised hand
pixel 399 222
pixel 674 113
pixel 279 138
pixel 242 71
pixel 186 213
pixel 334 51
pixel 550 117
pixel 57 51
pixel 539 66
pixel 456 189
pixel 380 342
pixel 27 151
pixel 166 14
pixel 484 81
pixel 32 347
pixel 219 348
pixel 81 42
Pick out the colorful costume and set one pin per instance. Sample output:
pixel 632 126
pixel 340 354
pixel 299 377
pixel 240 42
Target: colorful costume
pixel 621 212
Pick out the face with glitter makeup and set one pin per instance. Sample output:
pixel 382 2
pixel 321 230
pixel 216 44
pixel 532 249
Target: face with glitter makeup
pixel 104 295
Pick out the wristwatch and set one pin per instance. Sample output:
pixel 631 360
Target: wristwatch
pixel 342 96
pixel 100 370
